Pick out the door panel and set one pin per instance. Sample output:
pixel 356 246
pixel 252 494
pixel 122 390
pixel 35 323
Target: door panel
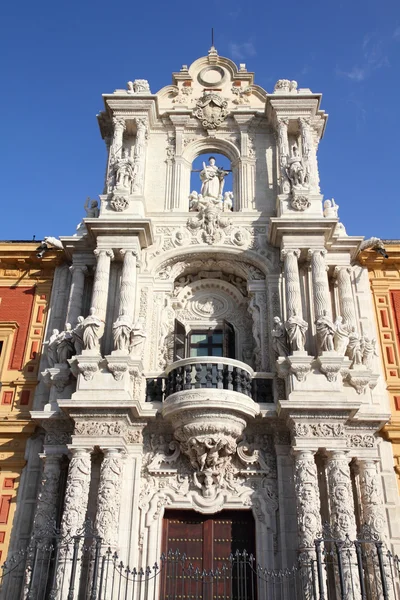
pixel 208 542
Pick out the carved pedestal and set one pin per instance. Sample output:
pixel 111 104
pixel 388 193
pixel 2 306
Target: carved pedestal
pixel 294 368
pixel 330 364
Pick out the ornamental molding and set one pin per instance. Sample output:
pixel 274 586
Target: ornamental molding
pixel 131 433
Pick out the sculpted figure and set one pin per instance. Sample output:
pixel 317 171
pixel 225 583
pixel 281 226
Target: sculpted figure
pixel 368 351
pixel 137 337
pixel 354 351
pixel 124 171
pixel 92 331
pixel 296 329
pixel 122 329
pixel 296 171
pixel 52 348
pixel 213 179
pixel 279 338
pixel 77 336
pixel 65 345
pixel 228 201
pixel 341 337
pixel 331 209
pixel 325 332
pixel 91 208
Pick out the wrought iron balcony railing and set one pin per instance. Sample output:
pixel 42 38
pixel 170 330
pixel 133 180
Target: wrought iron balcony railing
pixel 209 372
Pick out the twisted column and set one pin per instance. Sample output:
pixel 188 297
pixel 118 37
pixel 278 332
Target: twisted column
pixel 283 145
pixel 292 281
pixel 101 282
pixel 109 497
pixel 308 513
pixel 346 300
pixel 128 283
pixel 343 521
pixel 320 283
pixel 309 153
pixel 75 300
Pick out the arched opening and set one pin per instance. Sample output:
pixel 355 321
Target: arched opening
pixel 211 173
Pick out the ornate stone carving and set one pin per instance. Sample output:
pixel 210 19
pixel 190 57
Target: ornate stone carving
pixel 58 376
pixel 343 521
pixel 93 329
pixel 308 510
pixel 119 203
pixel 336 430
pixel 292 281
pixel 47 501
pixel 300 201
pixel 209 219
pixel 211 109
pixel 341 337
pixel 99 428
pixel 109 497
pixel 122 329
pixel 285 86
pixel 138 86
pixel 242 95
pixel 325 332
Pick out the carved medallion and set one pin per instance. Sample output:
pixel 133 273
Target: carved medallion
pixel 212 110
pixel 119 203
pixel 300 202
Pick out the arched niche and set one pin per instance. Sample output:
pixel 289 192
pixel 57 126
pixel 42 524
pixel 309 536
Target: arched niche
pixel 183 165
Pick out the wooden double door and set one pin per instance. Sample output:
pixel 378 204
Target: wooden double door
pixel 199 549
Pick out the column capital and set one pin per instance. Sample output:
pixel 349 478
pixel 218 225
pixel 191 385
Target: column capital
pixel 113 451
pixel 303 453
pixel 337 270
pixel 132 251
pixel 119 123
pixel 282 121
pixel 311 251
pixel 103 252
pixel 304 121
pixel 289 252
pixel 78 269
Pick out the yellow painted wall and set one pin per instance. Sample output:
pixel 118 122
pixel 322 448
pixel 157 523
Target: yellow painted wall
pixel 24 280
pixel 384 275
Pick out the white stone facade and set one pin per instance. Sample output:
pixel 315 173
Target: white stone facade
pixel 247 429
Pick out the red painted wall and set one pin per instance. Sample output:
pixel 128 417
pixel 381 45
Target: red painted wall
pixel 16 305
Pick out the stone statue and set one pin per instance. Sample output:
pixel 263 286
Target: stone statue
pixel 354 351
pixel 368 348
pixel 124 171
pixel 65 345
pixel 77 335
pixel 341 337
pixel 137 337
pixel 296 171
pixel 325 332
pixel 122 329
pixel 296 329
pixel 91 208
pixel 228 201
pixel 279 338
pixel 212 178
pixel 52 348
pixel 92 332
pixel 331 209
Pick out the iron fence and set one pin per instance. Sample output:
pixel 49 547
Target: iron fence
pixel 80 568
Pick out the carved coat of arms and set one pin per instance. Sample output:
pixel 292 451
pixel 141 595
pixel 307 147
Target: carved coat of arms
pixel 211 109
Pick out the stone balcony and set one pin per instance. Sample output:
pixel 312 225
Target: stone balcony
pixel 208 397
pixel 212 373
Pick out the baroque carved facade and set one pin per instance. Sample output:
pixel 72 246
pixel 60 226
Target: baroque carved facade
pixel 216 345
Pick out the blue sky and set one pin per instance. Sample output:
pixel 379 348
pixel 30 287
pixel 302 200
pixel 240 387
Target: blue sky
pixel 59 57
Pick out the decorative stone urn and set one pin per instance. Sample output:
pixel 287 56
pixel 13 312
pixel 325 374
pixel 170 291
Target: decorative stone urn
pixel 208 423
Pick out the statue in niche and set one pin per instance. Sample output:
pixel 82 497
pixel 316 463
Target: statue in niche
pixel 124 171
pixel 354 350
pixel 122 329
pixel 137 337
pixel 77 336
pixel 296 329
pixel 93 330
pixel 296 169
pixel 213 179
pixel 325 332
pixel 279 338
pixel 341 336
pixel 65 345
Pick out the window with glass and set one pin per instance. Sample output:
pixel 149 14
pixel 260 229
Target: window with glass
pixel 204 342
